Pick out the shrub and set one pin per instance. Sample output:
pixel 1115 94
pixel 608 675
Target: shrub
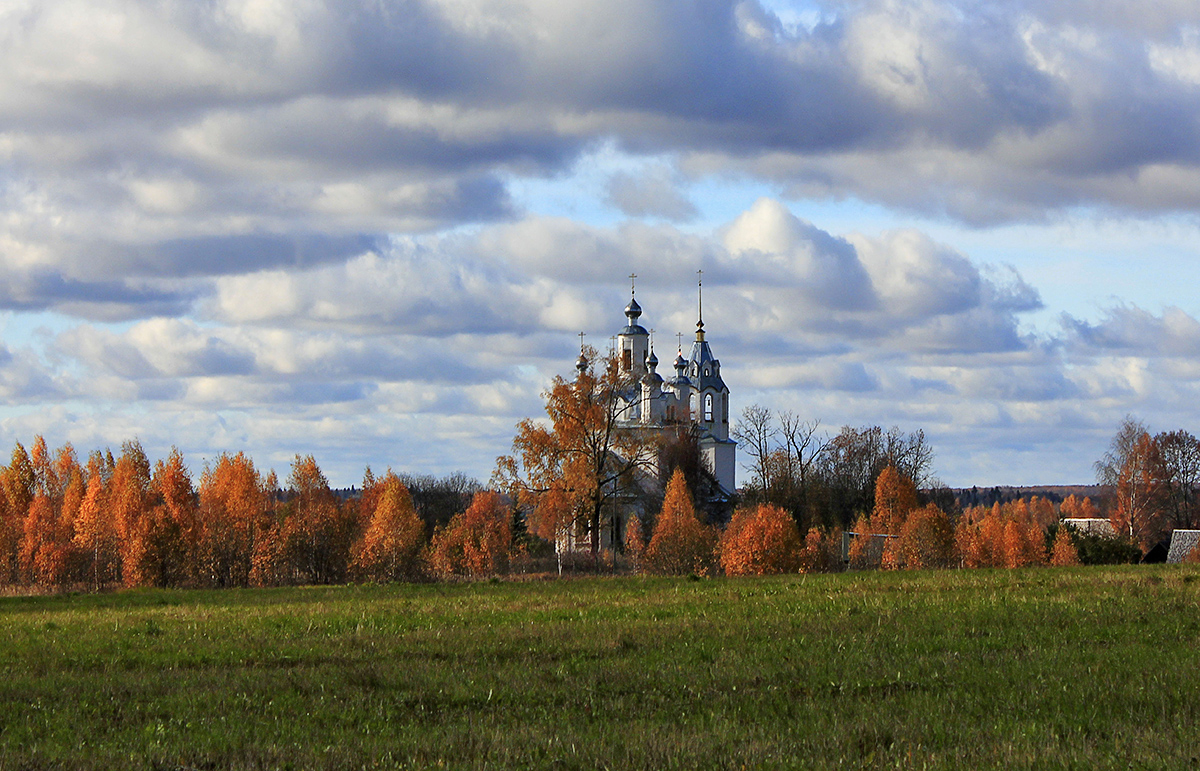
pixel 759 541
pixel 680 544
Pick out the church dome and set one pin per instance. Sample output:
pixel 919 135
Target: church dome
pixel 633 310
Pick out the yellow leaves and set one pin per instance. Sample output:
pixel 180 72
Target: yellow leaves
pixel 895 497
pixel 1063 552
pixel 388 549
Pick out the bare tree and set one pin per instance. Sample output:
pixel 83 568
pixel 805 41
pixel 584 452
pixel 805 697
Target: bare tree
pixel 755 432
pixel 1179 454
pixel 1124 444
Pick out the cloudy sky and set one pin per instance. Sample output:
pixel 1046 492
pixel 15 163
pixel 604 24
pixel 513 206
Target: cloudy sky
pixel 371 230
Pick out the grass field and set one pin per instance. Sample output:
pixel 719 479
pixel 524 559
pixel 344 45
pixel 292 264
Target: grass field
pixel 1082 668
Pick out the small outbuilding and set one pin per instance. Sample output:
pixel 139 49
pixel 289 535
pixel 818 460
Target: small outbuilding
pixel 1182 544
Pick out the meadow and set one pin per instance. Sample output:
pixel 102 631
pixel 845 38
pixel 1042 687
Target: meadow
pixel 1036 668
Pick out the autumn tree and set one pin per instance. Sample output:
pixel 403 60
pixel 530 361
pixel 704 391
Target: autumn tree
pixel 129 492
pixel 317 533
pixel 635 540
pixel 568 472
pixel 234 523
pixel 1063 551
pixel 821 552
pixel 18 482
pixel 47 554
pixel 95 533
pixel 853 460
pixel 926 540
pixel 1140 494
pixel 166 536
pixel 475 543
pixel 388 549
pixel 680 543
pixel 895 497
pixel 760 540
pixel 1073 507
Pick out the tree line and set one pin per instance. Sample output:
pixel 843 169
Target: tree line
pixel 120 521
pixel 828 481
pixel 898 533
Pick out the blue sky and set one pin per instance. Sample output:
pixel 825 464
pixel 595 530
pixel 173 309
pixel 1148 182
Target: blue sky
pixel 371 231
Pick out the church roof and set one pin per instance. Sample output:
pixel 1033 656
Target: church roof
pixel 706 370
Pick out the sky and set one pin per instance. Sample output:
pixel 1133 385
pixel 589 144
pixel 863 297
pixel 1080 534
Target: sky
pixel 372 230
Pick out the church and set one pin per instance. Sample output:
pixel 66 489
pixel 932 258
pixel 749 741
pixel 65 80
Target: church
pixel 694 396
pixel 695 393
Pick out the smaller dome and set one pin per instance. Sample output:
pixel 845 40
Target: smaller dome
pixel 633 310
pixel 680 362
pixel 581 363
pixel 652 360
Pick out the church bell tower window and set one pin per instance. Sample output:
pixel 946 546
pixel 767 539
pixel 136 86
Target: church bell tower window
pixel 708 408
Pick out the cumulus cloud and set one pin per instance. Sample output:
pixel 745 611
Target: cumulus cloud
pixel 183 139
pixel 302 211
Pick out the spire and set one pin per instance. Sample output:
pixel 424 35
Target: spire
pixel 700 305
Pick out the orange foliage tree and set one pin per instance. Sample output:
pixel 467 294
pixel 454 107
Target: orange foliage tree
pixel 128 495
pixel 760 540
pixel 317 533
pixel 680 544
pixel 17 483
pixel 1063 553
pixel 821 552
pixel 234 522
pixel 926 541
pixel 568 473
pixel 1074 508
pixel 1141 494
pixel 635 540
pixel 165 536
pixel 895 497
pixel 96 535
pixel 388 549
pixel 477 542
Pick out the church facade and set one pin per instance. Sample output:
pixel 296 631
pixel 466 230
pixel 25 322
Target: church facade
pixel 694 394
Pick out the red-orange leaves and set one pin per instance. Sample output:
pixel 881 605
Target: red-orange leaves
pixel 477 542
pixel 759 541
pixel 680 544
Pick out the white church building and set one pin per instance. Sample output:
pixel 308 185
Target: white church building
pixel 695 393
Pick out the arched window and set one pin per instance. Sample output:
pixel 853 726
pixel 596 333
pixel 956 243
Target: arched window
pixel 708 407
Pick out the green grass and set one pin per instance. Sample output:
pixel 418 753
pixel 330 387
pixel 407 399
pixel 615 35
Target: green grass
pixel 1052 668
